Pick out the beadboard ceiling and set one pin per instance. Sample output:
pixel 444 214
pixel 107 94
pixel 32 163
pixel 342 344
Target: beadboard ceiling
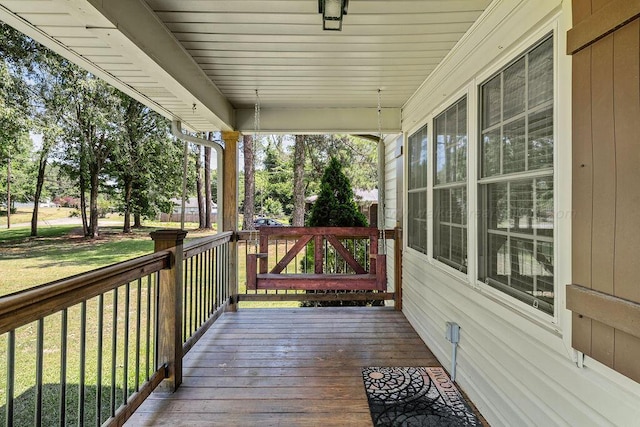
pixel 214 54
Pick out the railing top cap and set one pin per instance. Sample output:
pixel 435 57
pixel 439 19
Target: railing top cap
pixel 168 234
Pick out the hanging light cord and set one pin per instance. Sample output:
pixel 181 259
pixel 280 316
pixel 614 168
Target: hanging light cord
pixel 256 129
pixel 382 195
pixel 380 114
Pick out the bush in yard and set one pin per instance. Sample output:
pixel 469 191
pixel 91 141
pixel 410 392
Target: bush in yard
pixel 335 207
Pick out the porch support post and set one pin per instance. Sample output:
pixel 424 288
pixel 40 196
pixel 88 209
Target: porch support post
pixel 170 307
pixel 230 207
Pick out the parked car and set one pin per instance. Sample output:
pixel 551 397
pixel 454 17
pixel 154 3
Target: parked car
pixel 267 222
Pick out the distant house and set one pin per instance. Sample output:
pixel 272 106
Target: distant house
pixel 367 201
pixel 190 209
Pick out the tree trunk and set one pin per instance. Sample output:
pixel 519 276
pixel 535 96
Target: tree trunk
pixel 207 184
pixel 137 220
pixel 9 192
pixel 249 183
pixel 93 200
pixel 128 190
pixel 42 166
pixel 83 204
pixel 199 187
pixel 298 181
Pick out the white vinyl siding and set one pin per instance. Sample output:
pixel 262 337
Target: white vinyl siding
pixel 515 362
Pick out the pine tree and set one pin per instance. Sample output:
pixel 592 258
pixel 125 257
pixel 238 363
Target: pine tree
pixel 335 206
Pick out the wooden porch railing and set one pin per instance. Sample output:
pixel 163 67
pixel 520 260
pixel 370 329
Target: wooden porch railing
pixel 285 263
pixel 89 349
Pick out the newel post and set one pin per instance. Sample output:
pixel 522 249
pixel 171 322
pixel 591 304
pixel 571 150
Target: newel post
pixel 230 207
pixel 170 307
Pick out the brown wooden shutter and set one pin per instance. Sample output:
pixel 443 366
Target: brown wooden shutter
pixel 605 295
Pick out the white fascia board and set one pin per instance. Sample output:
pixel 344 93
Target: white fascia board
pixel 320 120
pixel 138 32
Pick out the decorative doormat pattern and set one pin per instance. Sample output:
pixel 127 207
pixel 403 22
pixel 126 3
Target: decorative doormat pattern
pixel 415 397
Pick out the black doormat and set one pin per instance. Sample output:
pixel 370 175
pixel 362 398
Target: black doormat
pixel 415 397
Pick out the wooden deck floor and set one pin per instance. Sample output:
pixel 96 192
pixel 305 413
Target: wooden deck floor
pixel 286 367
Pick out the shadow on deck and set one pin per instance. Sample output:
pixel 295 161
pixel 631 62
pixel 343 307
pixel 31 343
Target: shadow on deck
pixel 290 367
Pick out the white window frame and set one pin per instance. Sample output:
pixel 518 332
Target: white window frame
pixel 426 189
pixel 436 187
pixel 475 180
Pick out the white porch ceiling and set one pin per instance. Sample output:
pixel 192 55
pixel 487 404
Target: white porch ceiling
pixel 172 54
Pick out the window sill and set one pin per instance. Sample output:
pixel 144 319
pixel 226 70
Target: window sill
pixel 523 310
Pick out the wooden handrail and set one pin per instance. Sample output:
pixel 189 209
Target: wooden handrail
pixel 195 247
pixel 244 235
pixel 21 308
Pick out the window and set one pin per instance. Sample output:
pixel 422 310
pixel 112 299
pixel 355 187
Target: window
pixel 450 186
pixel 417 191
pixel 516 179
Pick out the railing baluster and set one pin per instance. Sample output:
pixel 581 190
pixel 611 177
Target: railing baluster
pixel 125 367
pixel 78 294
pixel 205 277
pixel 205 286
pixel 99 348
pixel 156 330
pixel 185 298
pixel 191 305
pixel 114 353
pixel 148 332
pixel 11 366
pixel 212 294
pixel 219 285
pixel 138 319
pixel 207 291
pixel 201 290
pixel 212 284
pixel 64 320
pixel 39 362
pixel 83 357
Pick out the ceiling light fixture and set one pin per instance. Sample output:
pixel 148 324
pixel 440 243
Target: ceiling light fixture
pixel 332 12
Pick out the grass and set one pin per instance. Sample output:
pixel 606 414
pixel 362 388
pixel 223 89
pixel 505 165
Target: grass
pixel 23 215
pixel 61 251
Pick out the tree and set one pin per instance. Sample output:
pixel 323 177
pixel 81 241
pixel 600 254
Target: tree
pixel 199 194
pixel 360 154
pixel 14 122
pixel 274 193
pixel 248 145
pixel 298 181
pixel 207 183
pixel 144 153
pixel 93 126
pixel 49 87
pixel 49 138
pixel 335 206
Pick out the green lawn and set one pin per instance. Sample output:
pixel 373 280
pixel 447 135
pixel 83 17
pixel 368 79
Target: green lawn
pixel 23 215
pixel 62 251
